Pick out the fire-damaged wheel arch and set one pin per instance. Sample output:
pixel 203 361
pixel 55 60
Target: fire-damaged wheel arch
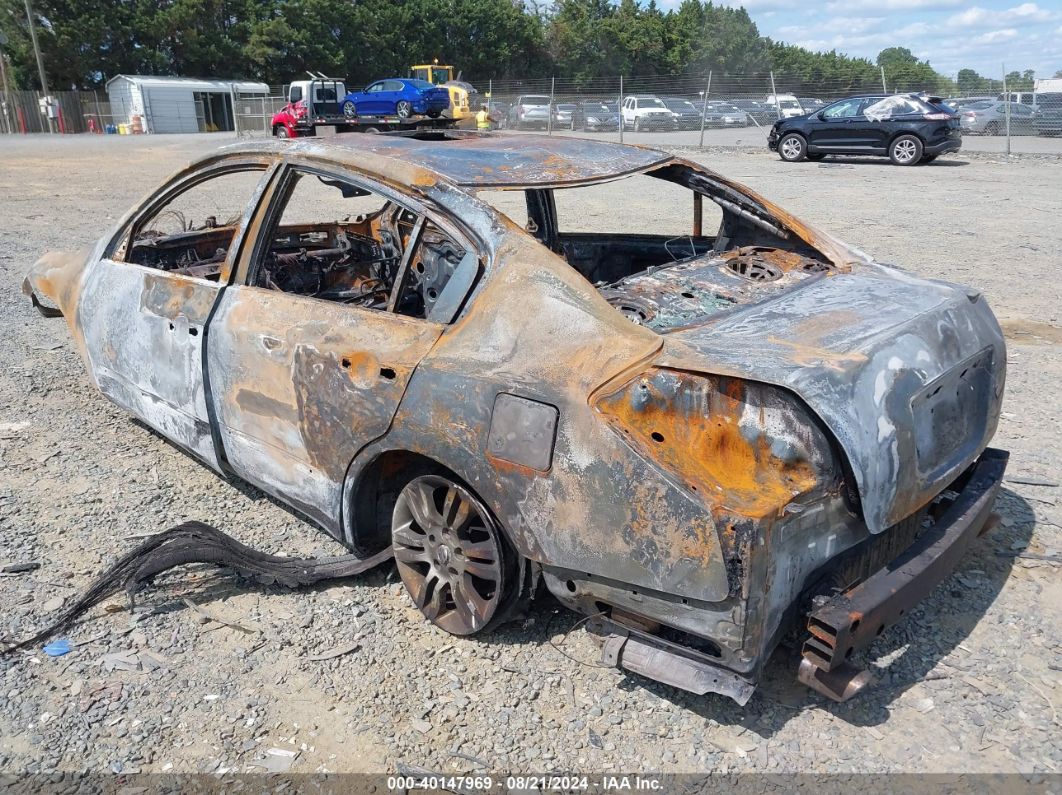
pixel 371 492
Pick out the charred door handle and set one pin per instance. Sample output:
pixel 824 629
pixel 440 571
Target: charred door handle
pixel 270 343
pixel 386 373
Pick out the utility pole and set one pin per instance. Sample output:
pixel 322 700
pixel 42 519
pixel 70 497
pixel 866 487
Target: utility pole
pixel 40 68
pixel 1006 107
pixel 9 126
pixel 704 108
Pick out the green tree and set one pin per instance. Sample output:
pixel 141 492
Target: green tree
pixel 905 72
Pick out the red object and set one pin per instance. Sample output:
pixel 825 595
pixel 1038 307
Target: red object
pixel 62 127
pixel 22 121
pixel 288 116
pixel 92 125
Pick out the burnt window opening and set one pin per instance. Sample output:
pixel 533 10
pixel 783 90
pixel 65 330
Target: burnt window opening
pixel 671 247
pixel 335 240
pixel 191 232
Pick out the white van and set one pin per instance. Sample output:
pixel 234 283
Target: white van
pixel 787 104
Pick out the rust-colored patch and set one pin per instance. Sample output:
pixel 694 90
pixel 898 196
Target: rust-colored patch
pixel 1031 332
pixel 701 432
pixel 809 355
pixel 169 295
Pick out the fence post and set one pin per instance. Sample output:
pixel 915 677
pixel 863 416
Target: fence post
pixel 884 87
pixel 1006 108
pixel 9 125
pixel 549 118
pixel 704 105
pixel 619 107
pixel 774 93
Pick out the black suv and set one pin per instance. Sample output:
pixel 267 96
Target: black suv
pixel 907 128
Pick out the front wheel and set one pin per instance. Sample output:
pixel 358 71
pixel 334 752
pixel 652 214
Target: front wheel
pixel 452 557
pixel 350 110
pixel 792 148
pixel 404 109
pixel 280 131
pixel 637 125
pixel 905 151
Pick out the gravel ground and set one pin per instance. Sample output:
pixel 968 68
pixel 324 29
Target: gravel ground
pixel 968 682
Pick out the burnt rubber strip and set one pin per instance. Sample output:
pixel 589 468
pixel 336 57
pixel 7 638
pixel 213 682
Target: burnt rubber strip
pixel 196 542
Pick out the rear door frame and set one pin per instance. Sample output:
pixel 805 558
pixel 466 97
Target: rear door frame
pixel 354 364
pixel 149 357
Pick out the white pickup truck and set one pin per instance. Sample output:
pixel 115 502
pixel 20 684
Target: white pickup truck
pixel 645 112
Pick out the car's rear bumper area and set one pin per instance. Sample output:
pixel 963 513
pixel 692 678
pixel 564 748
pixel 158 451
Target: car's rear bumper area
pixel 943 147
pixel 852 620
pixel 837 625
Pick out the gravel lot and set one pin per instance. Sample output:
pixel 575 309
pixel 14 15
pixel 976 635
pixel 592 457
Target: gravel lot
pixel 969 682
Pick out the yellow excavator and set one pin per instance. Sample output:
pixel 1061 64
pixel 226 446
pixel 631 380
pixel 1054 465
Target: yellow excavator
pixel 462 94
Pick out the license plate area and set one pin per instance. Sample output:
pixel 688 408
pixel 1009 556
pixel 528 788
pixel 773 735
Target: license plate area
pixel 950 414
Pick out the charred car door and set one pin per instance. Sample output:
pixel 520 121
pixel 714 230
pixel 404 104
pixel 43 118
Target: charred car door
pixel 310 351
pixel 147 300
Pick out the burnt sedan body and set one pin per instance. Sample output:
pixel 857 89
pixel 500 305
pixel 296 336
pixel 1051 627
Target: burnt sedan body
pixel 696 439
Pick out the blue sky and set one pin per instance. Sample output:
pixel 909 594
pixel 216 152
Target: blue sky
pixel 950 34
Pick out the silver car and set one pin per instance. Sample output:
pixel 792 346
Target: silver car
pixel 528 111
pixel 989 117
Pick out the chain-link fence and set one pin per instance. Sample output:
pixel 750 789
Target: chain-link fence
pixel 687 110
pixel 67 111
pixel 254 112
pixel 701 107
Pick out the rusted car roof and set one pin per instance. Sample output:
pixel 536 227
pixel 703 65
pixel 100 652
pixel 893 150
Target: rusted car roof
pixel 491 160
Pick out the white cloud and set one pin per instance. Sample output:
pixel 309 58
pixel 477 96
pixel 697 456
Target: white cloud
pixel 995 36
pixel 978 17
pixel 893 5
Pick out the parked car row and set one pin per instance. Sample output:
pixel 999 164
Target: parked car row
pixel 647 112
pixel 1030 113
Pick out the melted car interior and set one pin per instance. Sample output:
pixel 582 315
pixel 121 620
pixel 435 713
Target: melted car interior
pixel 339 241
pixel 668 269
pixel 329 238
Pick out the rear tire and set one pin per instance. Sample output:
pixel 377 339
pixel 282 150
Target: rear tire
pixel 453 558
pixel 906 150
pixel 350 110
pixel 434 114
pixel 992 128
pixel 792 148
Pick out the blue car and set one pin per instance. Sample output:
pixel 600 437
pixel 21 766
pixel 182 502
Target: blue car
pixel 397 96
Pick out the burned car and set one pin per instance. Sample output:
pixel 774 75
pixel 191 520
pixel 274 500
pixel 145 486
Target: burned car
pixel 700 429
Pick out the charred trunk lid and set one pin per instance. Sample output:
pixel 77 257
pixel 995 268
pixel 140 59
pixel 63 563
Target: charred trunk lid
pixel 906 373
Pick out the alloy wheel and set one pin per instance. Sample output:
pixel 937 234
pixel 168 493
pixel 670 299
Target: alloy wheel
pixel 792 147
pixel 349 109
pixel 449 554
pixel 404 109
pixel 905 150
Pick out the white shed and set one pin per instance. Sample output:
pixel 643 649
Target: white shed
pixel 178 104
